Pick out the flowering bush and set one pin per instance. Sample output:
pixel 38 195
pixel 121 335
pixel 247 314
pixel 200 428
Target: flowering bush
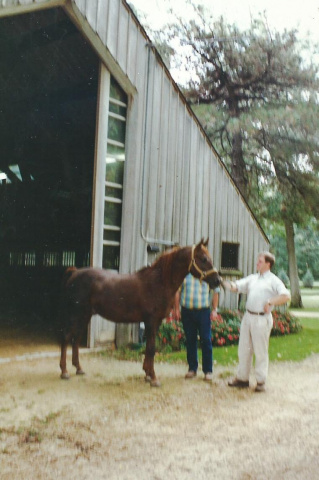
pixel 225 329
pixel 284 324
pixel 171 333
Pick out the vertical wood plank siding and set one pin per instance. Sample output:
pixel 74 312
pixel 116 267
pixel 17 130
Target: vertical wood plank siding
pixel 175 187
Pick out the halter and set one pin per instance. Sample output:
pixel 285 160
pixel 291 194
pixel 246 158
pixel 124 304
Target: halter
pixel 201 272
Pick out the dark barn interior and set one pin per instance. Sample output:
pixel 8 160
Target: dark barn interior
pixel 48 98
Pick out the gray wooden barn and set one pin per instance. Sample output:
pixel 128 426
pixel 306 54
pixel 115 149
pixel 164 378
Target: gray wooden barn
pixel 102 162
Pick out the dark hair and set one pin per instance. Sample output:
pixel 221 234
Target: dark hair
pixel 269 258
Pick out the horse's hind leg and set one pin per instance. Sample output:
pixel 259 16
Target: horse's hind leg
pixel 74 333
pixel 148 365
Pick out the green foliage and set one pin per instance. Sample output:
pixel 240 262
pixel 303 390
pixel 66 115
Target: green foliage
pixel 283 277
pixel 230 315
pixel 308 279
pixel 306 245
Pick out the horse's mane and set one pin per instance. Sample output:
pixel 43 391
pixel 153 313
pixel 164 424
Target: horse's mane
pixel 165 261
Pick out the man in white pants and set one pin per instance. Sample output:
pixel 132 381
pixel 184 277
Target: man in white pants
pixel 264 290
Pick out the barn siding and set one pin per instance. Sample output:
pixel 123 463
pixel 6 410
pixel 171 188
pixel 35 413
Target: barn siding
pixel 176 189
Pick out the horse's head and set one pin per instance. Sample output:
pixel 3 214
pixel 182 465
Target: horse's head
pixel 201 265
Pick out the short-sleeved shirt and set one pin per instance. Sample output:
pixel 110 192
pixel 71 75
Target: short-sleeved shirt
pixel 260 288
pixel 195 294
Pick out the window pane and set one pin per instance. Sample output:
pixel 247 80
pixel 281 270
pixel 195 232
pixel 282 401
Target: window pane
pixel 113 192
pixel 118 152
pixel 119 109
pixel 112 235
pixel 111 257
pixel 116 92
pixel 113 214
pixel 114 171
pixel 116 130
pixel 230 255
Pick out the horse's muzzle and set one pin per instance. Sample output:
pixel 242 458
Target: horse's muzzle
pixel 213 280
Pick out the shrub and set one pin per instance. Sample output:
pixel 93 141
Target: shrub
pixel 171 333
pixel 284 277
pixel 225 329
pixel 284 324
pixel 308 279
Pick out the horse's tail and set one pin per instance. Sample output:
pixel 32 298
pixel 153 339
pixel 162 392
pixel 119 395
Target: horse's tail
pixel 67 274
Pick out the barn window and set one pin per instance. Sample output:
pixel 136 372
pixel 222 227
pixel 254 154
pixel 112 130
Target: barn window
pixel 114 173
pixel 230 256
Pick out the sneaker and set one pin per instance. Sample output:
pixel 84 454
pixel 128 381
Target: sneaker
pixel 260 387
pixel 190 374
pixel 235 382
pixel 208 377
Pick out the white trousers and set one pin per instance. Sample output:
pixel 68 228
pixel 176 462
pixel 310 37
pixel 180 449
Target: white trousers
pixel 254 339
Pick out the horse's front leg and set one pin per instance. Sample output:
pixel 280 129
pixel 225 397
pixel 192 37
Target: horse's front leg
pixel 75 357
pixel 75 349
pixel 148 365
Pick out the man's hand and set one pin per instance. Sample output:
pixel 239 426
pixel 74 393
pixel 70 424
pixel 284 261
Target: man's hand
pixel 267 307
pixel 228 285
pixel 213 315
pixel 177 314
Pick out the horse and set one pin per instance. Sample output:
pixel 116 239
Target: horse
pixel 144 296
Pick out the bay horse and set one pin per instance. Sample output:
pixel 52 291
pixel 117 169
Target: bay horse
pixel 144 296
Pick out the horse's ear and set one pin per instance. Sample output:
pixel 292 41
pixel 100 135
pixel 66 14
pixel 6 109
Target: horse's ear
pixel 200 243
pixel 204 242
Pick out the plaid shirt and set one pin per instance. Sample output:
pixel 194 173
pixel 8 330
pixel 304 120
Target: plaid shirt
pixel 195 294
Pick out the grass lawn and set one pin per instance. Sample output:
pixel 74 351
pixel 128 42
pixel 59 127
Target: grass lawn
pixel 298 346
pixel 295 347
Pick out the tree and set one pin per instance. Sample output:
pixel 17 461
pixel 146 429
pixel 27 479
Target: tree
pixel 256 96
pixel 291 146
pixel 306 243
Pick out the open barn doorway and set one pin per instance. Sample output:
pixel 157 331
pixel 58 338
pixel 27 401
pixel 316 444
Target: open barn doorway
pixel 48 99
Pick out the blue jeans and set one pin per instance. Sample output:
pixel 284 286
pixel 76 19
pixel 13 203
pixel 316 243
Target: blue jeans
pixel 194 322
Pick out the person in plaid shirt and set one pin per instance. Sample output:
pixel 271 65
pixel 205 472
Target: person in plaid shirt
pixel 198 305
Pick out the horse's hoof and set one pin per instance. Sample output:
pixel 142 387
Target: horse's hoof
pixel 147 379
pixel 80 372
pixel 155 383
pixel 65 376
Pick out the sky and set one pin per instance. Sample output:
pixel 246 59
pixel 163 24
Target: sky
pixel 280 14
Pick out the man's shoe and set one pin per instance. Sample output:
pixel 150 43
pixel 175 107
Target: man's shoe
pixel 208 377
pixel 260 387
pixel 190 374
pixel 238 383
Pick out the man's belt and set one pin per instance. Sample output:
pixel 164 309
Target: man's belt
pixel 255 313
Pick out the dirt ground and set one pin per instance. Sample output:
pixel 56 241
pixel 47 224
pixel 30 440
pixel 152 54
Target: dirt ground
pixel 110 424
